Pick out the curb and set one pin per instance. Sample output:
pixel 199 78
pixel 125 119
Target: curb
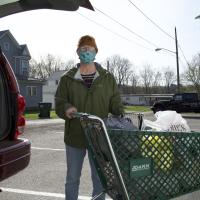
pixel 190 117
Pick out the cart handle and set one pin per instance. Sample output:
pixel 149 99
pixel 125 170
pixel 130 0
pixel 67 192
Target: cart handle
pixel 80 114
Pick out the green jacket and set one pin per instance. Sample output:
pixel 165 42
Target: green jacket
pixel 102 98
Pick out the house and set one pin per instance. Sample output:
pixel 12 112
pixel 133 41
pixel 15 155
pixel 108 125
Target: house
pixel 143 99
pixel 19 57
pixel 49 89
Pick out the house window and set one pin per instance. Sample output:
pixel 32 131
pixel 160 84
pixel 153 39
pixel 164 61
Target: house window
pixel 6 46
pixel 24 67
pixel 141 99
pixel 31 91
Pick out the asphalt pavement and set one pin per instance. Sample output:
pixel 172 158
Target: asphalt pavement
pixel 44 178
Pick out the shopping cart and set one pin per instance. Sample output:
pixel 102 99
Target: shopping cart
pixel 137 165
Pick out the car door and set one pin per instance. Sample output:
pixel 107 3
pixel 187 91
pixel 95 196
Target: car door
pixel 5 120
pixel 15 152
pixel 8 7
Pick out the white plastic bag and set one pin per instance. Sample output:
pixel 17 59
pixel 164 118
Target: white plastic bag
pixel 167 121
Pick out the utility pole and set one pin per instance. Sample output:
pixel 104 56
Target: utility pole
pixel 108 65
pixel 177 62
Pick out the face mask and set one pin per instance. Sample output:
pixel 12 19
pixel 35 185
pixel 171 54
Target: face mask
pixel 87 57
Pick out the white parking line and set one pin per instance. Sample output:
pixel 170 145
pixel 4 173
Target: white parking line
pixel 46 194
pixel 48 149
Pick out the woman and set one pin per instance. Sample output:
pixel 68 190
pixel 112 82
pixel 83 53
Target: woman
pixel 90 89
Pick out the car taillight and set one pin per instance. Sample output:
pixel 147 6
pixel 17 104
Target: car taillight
pixel 20 119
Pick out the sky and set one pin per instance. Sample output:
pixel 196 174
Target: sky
pixel 57 32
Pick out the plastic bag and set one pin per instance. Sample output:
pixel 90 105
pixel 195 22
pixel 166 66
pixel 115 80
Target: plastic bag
pixel 116 122
pixel 160 148
pixel 167 121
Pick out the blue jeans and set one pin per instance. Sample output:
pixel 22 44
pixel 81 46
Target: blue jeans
pixel 75 157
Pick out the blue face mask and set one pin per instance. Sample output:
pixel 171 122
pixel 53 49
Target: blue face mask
pixel 87 57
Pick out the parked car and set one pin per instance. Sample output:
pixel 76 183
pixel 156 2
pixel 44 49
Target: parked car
pixel 181 102
pixel 14 151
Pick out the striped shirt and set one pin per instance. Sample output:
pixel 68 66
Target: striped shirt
pixel 88 79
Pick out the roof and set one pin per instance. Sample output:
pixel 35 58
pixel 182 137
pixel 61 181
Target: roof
pixel 2 33
pixel 56 75
pixel 22 49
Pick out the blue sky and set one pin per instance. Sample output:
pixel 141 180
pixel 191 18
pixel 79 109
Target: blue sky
pixel 57 32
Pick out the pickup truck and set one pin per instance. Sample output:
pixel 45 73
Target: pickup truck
pixel 181 102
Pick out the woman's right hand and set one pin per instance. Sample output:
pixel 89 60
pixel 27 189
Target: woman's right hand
pixel 70 112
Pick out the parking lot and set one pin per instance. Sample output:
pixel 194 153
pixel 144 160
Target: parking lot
pixel 44 178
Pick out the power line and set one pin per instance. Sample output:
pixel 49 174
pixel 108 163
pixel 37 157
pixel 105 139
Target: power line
pixel 184 55
pixel 151 43
pixel 115 32
pixel 151 20
pixel 159 29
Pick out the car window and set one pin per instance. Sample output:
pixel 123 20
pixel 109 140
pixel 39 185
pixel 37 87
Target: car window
pixel 190 97
pixel 178 97
pixel 4 109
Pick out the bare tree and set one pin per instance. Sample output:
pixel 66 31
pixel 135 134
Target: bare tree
pixel 46 66
pixel 134 80
pixel 168 78
pixel 156 79
pixel 193 72
pixel 121 69
pixel 147 78
pixel 69 64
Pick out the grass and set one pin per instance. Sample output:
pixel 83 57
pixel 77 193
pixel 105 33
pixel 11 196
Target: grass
pixel 137 108
pixel 34 114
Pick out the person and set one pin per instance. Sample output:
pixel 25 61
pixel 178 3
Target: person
pixel 90 89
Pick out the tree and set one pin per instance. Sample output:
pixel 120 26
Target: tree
pixel 168 79
pixel 69 64
pixel 120 68
pixel 46 66
pixel 134 80
pixel 156 82
pixel 193 73
pixel 147 78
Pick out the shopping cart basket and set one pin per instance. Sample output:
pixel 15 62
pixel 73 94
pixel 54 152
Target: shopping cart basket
pixel 139 165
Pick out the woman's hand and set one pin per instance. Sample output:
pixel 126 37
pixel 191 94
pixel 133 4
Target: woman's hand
pixel 70 112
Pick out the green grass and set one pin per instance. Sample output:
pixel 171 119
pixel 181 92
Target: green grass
pixel 34 115
pixel 137 108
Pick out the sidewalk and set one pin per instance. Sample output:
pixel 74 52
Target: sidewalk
pixel 37 122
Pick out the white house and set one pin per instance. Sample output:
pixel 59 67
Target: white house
pixel 49 89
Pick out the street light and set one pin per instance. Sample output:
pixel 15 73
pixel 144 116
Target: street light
pixel 197 17
pixel 158 49
pixel 177 59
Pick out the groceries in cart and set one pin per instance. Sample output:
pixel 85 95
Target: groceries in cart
pixel 166 121
pixel 145 165
pixel 119 122
pixel 161 148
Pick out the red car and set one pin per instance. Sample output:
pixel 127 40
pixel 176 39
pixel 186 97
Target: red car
pixel 15 152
